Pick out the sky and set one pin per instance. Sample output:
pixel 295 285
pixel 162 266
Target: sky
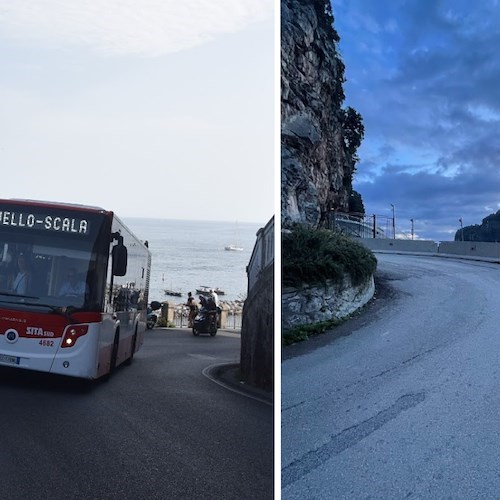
pixel 158 108
pixel 425 76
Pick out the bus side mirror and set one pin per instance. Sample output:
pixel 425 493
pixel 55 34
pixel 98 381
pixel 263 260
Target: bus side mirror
pixel 119 256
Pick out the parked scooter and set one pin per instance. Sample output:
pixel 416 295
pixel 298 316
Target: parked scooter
pixel 152 318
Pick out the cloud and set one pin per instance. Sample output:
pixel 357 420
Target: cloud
pixel 435 201
pixel 429 98
pixel 123 27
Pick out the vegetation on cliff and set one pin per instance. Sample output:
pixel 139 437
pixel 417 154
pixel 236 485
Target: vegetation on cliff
pixel 325 17
pixel 354 131
pixel 356 204
pixel 315 256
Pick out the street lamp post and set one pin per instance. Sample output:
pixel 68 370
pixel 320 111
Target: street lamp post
pixel 461 228
pixel 393 223
pixel 411 228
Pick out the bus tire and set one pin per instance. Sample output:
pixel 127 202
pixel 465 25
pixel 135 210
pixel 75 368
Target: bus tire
pixel 134 344
pixel 114 352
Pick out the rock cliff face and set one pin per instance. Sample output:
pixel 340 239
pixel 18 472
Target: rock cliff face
pixel 316 169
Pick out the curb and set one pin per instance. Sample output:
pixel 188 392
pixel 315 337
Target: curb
pixel 227 375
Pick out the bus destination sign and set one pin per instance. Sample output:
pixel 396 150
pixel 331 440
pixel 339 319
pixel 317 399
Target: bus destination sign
pixel 44 222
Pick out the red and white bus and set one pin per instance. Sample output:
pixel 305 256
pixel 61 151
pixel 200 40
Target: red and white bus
pixel 74 285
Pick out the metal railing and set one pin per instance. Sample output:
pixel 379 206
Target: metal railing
pixel 362 225
pixel 231 321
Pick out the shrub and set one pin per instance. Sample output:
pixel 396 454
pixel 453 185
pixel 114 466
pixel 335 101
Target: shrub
pixel 304 332
pixel 315 256
pixel 163 323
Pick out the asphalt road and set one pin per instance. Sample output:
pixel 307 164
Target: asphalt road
pixel 404 400
pixel 158 429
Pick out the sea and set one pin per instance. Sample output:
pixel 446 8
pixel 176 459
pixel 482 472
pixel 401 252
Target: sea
pixel 189 254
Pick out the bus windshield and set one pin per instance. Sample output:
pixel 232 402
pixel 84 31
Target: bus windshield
pixel 52 265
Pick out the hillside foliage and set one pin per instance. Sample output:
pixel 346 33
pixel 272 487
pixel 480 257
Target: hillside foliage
pixel 316 256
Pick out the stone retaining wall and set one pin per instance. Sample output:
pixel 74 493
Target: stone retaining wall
pixel 257 333
pixel 313 304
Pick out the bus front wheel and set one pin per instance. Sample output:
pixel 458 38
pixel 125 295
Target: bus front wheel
pixel 134 344
pixel 114 353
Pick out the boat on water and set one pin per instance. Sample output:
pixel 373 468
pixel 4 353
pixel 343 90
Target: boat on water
pixel 233 248
pixel 205 290
pixel 171 291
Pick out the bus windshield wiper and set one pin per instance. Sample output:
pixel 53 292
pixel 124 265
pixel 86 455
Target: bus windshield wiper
pixel 7 294
pixel 56 309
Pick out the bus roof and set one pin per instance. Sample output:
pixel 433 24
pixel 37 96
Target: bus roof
pixel 41 203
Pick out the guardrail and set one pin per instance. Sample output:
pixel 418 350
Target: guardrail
pixel 230 317
pixel 361 225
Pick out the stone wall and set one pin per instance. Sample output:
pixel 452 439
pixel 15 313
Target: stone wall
pixel 257 333
pixel 313 304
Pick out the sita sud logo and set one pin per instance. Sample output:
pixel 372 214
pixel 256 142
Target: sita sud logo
pixel 36 331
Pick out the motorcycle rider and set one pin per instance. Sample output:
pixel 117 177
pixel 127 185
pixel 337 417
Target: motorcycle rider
pixel 214 296
pixel 191 304
pixel 215 299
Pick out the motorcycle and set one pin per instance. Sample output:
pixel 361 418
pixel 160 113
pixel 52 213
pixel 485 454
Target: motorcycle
pixel 206 321
pixel 152 318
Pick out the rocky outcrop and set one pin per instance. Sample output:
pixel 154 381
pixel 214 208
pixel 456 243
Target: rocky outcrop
pixel 316 168
pixel 314 304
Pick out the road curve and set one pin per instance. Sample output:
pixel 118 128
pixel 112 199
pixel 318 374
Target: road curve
pixel 403 401
pixel 158 429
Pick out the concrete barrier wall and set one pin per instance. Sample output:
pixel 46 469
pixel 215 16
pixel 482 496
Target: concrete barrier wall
pixel 412 246
pixel 460 249
pixel 471 249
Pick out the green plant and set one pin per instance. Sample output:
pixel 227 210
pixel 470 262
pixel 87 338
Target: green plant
pixel 354 130
pixel 303 332
pixel 164 323
pixel 325 18
pixel 356 203
pixel 315 256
